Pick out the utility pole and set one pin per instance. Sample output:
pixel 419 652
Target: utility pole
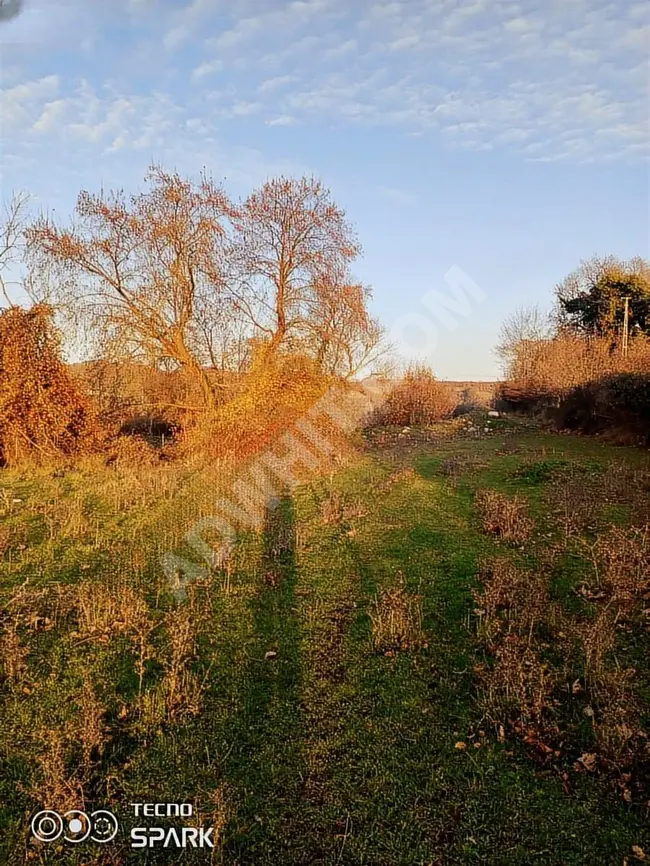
pixel 626 326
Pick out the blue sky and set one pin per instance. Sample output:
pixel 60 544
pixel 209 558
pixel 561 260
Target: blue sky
pixel 509 139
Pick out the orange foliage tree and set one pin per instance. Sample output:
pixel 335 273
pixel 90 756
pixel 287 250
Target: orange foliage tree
pixel 290 265
pixel 139 268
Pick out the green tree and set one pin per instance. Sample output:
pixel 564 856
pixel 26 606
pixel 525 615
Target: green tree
pixel 590 300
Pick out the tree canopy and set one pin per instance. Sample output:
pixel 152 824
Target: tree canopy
pixel 590 300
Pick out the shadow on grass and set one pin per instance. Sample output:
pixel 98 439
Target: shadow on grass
pixel 265 765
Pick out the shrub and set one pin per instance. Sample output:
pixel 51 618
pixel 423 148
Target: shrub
pixel 419 399
pixel 620 402
pixel 513 605
pixel 278 389
pixel 43 412
pixel 543 372
pixel 506 518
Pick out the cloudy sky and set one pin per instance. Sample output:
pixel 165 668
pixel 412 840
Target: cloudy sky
pixel 507 138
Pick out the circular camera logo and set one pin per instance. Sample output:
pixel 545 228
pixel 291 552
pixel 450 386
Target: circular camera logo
pixel 47 826
pixel 75 825
pixel 104 825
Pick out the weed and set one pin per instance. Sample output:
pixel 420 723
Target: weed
pixel 504 517
pixel 396 617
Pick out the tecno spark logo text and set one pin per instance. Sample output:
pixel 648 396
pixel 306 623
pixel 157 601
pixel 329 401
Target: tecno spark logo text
pixel 168 837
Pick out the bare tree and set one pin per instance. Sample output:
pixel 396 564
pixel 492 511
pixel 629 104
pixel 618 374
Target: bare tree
pixel 138 269
pixel 12 245
pixel 290 263
pixel 525 326
pixel 346 338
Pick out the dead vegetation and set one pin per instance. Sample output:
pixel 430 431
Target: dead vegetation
pixel 43 413
pixel 419 399
pixel 504 517
pixel 396 618
pixel 543 662
pixel 64 740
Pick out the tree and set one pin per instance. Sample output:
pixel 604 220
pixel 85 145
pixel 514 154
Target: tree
pixel 290 267
pixel 590 300
pixel 346 338
pixel 525 328
pixel 137 269
pixel 12 231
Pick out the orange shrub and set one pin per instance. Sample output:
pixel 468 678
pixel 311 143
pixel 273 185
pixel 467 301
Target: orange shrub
pixel 43 412
pixel 546 370
pixel 419 399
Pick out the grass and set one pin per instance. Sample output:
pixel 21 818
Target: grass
pixel 294 713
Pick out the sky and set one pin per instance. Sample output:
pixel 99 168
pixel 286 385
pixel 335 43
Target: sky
pixel 505 139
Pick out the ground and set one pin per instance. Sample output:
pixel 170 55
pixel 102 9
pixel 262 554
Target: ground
pixel 292 724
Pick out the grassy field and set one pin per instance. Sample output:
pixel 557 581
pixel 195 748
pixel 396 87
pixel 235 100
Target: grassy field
pixel 322 700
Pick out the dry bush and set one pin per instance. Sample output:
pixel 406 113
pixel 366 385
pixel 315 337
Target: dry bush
pixel 65 755
pixel 396 617
pixel 511 599
pixel 621 560
pixel 55 785
pixel 504 517
pixel 618 728
pixel 420 399
pixel 131 451
pixel 43 412
pixel 618 402
pixel 572 503
pixel 576 497
pixel 335 509
pixel 549 369
pixel 512 606
pixel 13 654
pixel 622 563
pixel 104 611
pixel 278 389
pixel 519 684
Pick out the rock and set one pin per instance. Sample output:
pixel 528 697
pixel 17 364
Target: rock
pixel 271 654
pixel 494 414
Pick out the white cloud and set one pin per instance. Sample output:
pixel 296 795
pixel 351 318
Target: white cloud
pixel 206 69
pixel 282 120
pixel 478 74
pixel 275 83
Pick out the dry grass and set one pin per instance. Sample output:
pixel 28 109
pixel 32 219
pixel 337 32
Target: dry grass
pixel 503 517
pixel 396 617
pixel 336 509
pixel 518 622
pixel 513 605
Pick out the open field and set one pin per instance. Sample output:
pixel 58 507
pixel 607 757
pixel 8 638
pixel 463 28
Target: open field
pixel 322 700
